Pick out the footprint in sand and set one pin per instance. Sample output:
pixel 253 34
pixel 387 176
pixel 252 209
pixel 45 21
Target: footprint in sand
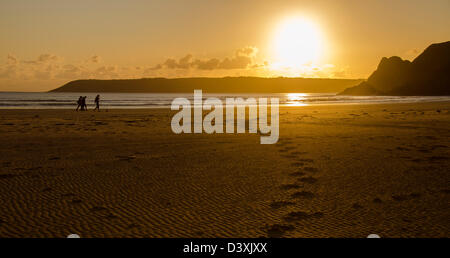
pixel 406 197
pixel 199 233
pixel 278 230
pixel 133 225
pixel 407 221
pixel 437 158
pixel 377 200
pixel 284 144
pixel 446 191
pixel 126 158
pixel 290 186
pixel 300 215
pixel 297 174
pixel 357 206
pixel 306 160
pixel 6 164
pixel 308 180
pixel 281 143
pixel 299 152
pixel 111 216
pixel 438 146
pixel 7 176
pixel 288 156
pixel 280 204
pixel 98 209
pixel 303 194
pixel 311 169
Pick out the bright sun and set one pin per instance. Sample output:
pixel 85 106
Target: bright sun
pixel 297 42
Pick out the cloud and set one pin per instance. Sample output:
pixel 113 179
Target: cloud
pixel 209 64
pixel 47 58
pixel 110 72
pixel 48 68
pixel 95 59
pixel 42 59
pixel 48 71
pixel 247 51
pixel 11 60
pixel 185 62
pixel 242 59
pixel 411 54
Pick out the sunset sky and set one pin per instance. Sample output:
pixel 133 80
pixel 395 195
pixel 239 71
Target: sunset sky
pixel 46 43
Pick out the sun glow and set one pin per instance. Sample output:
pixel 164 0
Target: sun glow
pixel 297 42
pixel 296 99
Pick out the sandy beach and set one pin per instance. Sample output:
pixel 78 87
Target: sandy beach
pixel 337 171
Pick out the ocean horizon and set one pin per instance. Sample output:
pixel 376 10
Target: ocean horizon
pixel 46 100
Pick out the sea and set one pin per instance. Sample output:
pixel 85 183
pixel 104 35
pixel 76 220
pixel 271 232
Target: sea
pixel 40 100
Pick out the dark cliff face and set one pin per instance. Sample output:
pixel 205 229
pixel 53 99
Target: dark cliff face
pixel 391 73
pixel 428 74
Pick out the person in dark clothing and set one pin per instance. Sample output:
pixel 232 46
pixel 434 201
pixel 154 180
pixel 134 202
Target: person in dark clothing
pixel 97 103
pixel 83 104
pixel 79 102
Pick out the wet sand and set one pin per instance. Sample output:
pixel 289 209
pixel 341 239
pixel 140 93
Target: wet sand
pixel 337 171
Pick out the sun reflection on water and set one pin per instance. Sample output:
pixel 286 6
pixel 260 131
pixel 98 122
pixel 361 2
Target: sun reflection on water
pixel 296 99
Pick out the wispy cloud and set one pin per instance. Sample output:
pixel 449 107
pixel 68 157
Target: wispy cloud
pixel 242 59
pixel 49 71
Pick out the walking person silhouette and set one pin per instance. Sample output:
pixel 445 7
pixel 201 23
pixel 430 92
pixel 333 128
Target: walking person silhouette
pixel 83 104
pixel 97 103
pixel 79 102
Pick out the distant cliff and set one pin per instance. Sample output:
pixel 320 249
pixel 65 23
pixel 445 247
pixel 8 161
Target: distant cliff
pixel 427 75
pixel 210 85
